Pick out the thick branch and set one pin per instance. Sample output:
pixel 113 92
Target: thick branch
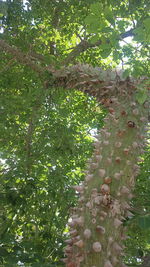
pixel 84 45
pixel 37 56
pixel 28 61
pixel 21 57
pixel 81 47
pixel 92 81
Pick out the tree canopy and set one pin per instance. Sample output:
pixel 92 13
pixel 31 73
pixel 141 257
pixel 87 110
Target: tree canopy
pixel 47 131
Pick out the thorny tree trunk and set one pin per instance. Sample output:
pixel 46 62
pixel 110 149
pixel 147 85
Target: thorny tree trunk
pixel 96 225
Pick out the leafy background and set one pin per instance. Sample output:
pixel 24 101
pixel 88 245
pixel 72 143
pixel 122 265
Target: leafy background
pixel 46 132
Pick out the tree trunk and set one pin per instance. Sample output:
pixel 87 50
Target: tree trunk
pixel 97 223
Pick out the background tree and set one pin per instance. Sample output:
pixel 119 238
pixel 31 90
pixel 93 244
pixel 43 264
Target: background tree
pixel 45 139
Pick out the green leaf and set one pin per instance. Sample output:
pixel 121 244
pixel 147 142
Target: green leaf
pixel 90 19
pixel 116 55
pixel 144 222
pixel 94 39
pixel 146 23
pixel 109 15
pixel 141 96
pixel 93 23
pixel 93 28
pixel 3 8
pixel 126 73
pixel 96 8
pixel 105 53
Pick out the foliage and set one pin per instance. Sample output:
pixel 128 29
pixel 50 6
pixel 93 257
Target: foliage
pixel 46 131
pixel 137 245
pixel 45 145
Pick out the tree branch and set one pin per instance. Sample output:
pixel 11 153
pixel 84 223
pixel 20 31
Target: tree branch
pixel 27 59
pixel 76 77
pixel 21 57
pixel 37 56
pixel 81 47
pixel 84 45
pixel 129 33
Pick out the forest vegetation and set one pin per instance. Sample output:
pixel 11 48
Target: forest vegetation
pixel 74 133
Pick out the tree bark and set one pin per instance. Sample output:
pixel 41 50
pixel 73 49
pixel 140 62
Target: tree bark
pixel 97 224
